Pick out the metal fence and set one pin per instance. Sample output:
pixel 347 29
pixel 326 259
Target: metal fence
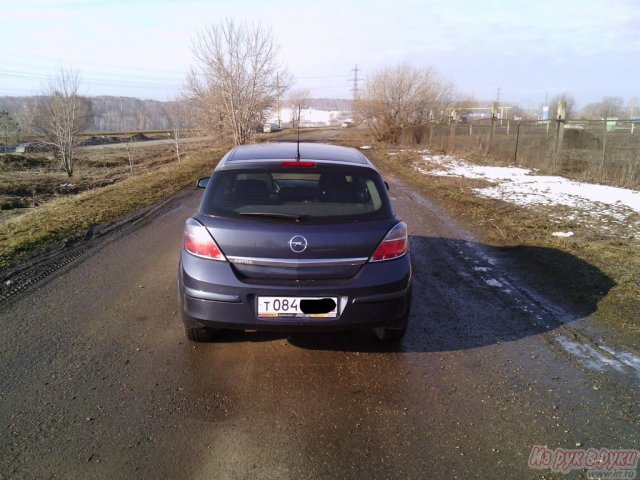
pixel 601 151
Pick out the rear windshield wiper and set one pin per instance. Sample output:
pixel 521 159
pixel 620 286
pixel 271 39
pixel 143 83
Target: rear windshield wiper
pixel 283 216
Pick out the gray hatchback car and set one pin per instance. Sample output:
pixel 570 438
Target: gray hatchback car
pixel 294 237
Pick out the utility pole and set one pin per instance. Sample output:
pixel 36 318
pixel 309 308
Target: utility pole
pixel 494 115
pixel 561 115
pixel 355 83
pixel 355 93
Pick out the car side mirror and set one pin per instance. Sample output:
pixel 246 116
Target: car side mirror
pixel 203 182
pixel 386 185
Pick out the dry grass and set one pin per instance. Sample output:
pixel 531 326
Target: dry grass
pixel 63 216
pixel 32 180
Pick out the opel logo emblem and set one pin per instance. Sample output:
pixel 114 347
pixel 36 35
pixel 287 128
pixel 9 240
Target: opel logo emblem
pixel 298 244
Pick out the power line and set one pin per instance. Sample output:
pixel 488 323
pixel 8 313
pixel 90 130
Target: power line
pixel 323 76
pixel 65 61
pixel 32 73
pixel 148 83
pixel 34 69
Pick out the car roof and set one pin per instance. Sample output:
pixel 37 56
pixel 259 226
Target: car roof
pixel 279 151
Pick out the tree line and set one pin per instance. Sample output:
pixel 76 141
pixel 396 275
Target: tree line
pixel 109 113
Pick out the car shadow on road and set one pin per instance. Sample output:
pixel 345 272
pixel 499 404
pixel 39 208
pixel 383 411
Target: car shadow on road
pixel 468 295
pixel 240 336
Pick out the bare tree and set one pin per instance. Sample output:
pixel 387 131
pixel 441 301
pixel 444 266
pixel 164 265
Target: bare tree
pixel 563 97
pixel 607 107
pixel 178 116
pixel 401 96
pixel 127 129
pixel 61 114
pixel 296 101
pixel 237 77
pixel 633 107
pixel 9 131
pixel 126 123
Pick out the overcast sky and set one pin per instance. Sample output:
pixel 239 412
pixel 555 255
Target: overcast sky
pixel 528 49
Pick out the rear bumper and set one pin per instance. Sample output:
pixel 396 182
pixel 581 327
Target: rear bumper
pixel 378 296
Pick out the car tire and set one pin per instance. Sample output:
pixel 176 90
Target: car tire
pixel 199 334
pixel 390 334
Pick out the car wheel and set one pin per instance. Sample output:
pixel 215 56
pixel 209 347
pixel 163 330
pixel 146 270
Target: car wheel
pixel 390 334
pixel 199 334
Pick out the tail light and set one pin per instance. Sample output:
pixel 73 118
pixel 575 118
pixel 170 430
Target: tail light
pixel 394 245
pixel 298 164
pixel 198 241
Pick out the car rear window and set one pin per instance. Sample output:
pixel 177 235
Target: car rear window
pixel 317 195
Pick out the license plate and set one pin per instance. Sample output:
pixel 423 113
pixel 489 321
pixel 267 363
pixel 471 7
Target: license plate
pixel 273 307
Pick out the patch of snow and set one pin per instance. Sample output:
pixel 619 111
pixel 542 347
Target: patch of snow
pixel 492 282
pixel 311 116
pixel 523 187
pixel 481 269
pixel 563 234
pixel 589 355
pixel 625 357
pixel 596 360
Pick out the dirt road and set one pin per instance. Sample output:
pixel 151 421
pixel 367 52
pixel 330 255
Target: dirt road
pixel 97 380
